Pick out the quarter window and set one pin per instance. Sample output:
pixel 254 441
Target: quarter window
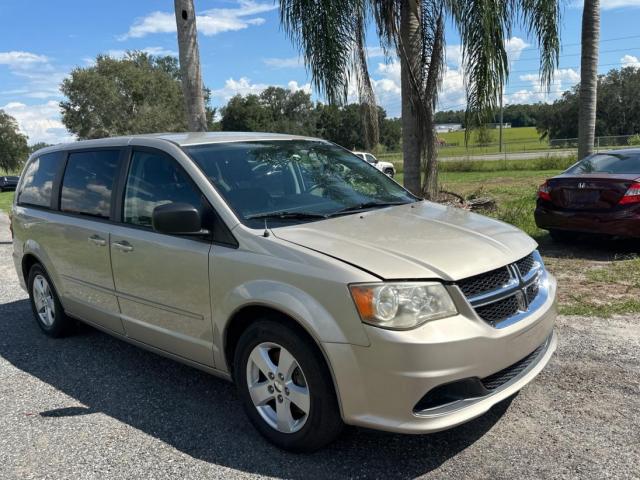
pixel 155 179
pixel 88 182
pixel 38 179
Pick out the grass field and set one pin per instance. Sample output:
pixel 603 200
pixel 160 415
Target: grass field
pixel 6 198
pixel 523 139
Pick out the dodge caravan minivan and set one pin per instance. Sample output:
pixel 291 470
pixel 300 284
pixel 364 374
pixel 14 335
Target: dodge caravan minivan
pixel 328 293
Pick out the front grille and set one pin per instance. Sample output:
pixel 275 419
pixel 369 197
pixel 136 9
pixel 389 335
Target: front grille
pixel 525 264
pixel 504 292
pixel 532 292
pixel 485 282
pixel 498 379
pixel 497 311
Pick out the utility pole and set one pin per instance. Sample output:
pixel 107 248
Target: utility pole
pixel 501 118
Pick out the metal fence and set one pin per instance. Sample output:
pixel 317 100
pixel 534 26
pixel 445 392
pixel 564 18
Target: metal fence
pixel 601 143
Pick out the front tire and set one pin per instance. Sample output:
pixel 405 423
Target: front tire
pixel 46 305
pixel 285 387
pixel 389 172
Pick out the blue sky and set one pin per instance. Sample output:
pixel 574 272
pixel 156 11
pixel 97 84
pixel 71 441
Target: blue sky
pixel 243 50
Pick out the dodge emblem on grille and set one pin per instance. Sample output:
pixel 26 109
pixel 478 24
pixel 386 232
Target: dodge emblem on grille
pixel 582 185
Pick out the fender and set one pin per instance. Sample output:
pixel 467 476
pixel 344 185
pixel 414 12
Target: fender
pixel 291 301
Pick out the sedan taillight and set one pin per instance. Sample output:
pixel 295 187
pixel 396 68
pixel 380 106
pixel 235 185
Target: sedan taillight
pixel 632 194
pixel 544 192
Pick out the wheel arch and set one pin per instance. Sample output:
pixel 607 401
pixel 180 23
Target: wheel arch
pixel 244 316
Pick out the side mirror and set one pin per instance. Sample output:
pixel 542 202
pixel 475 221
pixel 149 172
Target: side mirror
pixel 178 219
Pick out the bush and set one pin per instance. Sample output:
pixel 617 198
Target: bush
pixel 634 140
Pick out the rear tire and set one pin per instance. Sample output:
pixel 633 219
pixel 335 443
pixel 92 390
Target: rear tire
pixel 46 305
pixel 563 236
pixel 297 411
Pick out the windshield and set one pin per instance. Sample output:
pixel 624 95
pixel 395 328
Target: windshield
pixel 614 162
pixel 294 181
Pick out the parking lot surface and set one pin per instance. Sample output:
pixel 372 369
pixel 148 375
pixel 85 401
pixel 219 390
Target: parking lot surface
pixel 93 407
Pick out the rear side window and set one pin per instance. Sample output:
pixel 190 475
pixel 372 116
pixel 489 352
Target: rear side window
pixel 88 182
pixel 155 179
pixel 614 162
pixel 38 180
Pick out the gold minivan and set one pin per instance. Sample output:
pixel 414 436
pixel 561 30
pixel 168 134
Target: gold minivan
pixel 328 293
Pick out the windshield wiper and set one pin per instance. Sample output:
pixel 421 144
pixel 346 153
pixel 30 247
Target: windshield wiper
pixel 287 215
pixel 366 205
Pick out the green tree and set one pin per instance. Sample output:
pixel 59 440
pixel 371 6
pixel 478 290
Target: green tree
pixel 139 93
pixel 332 41
pixel 484 136
pixel 618 108
pixel 37 146
pixel 13 144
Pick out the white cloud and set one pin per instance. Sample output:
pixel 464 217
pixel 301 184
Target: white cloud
pixel 243 86
pixel 375 52
pixel 17 59
pixel 290 62
pixel 563 80
pixel 453 54
pixel 630 61
pixel 41 123
pixel 514 47
pixel 295 86
pixel 609 4
pixel 209 22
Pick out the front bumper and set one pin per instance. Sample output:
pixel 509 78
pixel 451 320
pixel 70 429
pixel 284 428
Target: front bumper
pixel 380 386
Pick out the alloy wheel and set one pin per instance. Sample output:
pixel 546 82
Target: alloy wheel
pixel 278 387
pixel 43 299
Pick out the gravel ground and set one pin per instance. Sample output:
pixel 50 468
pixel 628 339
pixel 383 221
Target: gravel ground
pixel 92 407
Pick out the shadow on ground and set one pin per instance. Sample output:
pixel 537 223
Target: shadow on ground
pixel 199 414
pixel 590 247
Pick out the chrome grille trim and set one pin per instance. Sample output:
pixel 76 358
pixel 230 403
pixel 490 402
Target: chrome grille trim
pixel 524 292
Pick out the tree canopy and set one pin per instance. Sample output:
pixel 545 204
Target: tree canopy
pixel 139 93
pixel 618 108
pixel 281 110
pixel 13 144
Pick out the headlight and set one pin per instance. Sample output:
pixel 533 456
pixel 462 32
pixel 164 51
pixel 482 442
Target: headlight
pixel 402 305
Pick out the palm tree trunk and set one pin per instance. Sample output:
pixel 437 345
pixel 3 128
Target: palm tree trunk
pixel 588 77
pixel 430 185
pixel 410 60
pixel 190 65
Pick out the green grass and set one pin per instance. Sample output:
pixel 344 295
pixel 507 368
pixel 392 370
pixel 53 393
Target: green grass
pixel 6 199
pixel 544 162
pixel 625 273
pixel 582 305
pixel 515 140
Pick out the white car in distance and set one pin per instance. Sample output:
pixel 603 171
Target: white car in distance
pixel 386 167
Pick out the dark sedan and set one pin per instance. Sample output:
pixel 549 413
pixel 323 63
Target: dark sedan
pixel 8 183
pixel 599 194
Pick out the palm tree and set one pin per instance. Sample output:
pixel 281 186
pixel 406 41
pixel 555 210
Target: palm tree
pixel 190 65
pixel 330 35
pixel 588 77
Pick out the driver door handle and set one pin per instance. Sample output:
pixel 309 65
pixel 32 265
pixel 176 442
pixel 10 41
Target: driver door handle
pixel 123 246
pixel 97 240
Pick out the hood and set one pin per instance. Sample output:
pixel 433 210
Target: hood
pixel 385 164
pixel 416 241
